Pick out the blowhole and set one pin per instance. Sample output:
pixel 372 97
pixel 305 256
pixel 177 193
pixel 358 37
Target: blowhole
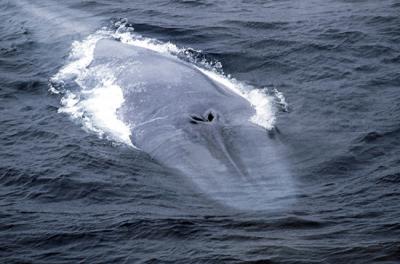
pixel 196 118
pixel 210 117
pixel 207 117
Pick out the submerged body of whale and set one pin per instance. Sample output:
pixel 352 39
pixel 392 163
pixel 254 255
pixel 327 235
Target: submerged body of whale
pixel 188 122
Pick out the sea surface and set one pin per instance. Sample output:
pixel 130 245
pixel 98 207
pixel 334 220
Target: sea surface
pixel 73 190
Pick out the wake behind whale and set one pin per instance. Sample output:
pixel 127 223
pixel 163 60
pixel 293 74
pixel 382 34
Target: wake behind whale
pixel 186 116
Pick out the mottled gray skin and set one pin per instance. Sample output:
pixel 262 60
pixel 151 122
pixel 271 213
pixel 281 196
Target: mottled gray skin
pixel 188 122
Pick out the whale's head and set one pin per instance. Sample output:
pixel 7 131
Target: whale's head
pixel 188 121
pixel 235 162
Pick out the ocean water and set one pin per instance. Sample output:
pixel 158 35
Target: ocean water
pixel 73 189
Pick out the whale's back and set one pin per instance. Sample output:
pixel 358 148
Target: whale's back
pixel 157 85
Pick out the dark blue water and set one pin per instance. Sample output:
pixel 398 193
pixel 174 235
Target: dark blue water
pixel 70 196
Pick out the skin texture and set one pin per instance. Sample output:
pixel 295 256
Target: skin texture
pixel 188 122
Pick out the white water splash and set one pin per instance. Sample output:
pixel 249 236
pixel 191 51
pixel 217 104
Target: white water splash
pixel 95 104
pixel 97 101
pixel 281 100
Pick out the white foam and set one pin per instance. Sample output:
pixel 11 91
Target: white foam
pixel 80 57
pixel 97 101
pixel 281 99
pixel 95 104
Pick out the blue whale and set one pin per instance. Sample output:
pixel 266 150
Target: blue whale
pixel 189 122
